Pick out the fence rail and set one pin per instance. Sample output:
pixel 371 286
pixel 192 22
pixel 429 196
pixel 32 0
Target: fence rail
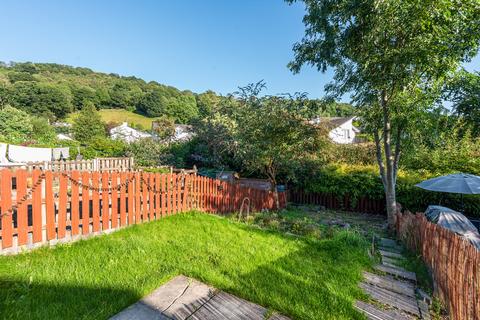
pixel 98 164
pixel 331 201
pixel 38 207
pixel 454 262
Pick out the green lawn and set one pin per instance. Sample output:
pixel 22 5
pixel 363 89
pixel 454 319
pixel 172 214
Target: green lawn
pixel 122 115
pixel 304 278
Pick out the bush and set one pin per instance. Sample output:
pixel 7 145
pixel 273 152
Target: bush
pixel 102 147
pixel 15 125
pixel 364 181
pixel 147 152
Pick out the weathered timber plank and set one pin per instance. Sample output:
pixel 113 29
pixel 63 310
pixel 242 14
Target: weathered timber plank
pixel 390 243
pixel 401 302
pixel 373 313
pixel 389 283
pixel 386 253
pixel 227 306
pixel 139 311
pixel 391 261
pixel 278 316
pixel 179 298
pixel 424 310
pixel 398 250
pixel 397 271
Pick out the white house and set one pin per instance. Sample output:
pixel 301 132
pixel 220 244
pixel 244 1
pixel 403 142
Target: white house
pixel 183 132
pixel 128 134
pixel 341 129
pixel 62 136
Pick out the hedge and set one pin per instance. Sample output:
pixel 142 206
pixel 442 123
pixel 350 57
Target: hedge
pixel 364 181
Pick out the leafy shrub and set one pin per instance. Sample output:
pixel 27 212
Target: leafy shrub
pixel 102 147
pixel 364 181
pixel 147 152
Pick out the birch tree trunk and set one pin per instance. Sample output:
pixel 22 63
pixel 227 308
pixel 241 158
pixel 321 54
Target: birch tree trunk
pixel 388 161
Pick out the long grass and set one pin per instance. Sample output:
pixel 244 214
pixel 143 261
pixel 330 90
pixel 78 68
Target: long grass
pixel 122 115
pixel 96 278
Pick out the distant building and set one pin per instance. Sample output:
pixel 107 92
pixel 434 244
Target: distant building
pixel 183 132
pixel 341 129
pixel 64 137
pixel 128 134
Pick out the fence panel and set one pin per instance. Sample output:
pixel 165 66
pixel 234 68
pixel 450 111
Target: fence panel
pixel 453 260
pixel 329 201
pixel 69 205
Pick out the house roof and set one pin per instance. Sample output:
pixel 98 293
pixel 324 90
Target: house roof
pixel 331 122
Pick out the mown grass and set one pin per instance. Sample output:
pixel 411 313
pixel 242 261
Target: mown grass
pixel 122 115
pixel 93 279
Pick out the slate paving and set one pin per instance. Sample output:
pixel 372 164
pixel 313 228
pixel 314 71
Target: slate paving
pixel 393 289
pixel 184 298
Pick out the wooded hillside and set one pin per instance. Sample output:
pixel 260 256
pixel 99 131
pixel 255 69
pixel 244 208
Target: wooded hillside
pixel 53 91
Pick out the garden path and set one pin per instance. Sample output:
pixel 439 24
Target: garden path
pixel 392 290
pixel 185 298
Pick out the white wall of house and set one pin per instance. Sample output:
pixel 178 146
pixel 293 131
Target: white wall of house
pixel 344 133
pixel 128 134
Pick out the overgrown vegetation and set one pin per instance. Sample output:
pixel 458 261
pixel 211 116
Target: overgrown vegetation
pixel 358 181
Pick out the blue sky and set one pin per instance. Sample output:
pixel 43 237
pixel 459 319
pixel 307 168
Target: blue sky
pixel 195 45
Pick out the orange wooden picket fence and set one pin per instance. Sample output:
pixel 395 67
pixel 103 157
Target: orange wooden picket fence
pixel 453 261
pixel 38 207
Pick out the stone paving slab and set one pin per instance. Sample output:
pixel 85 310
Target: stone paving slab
pixel 184 298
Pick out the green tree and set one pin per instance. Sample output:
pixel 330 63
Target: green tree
pixel 392 55
pixel 82 94
pixel 207 103
pixel 464 93
pixel 270 136
pixel 42 132
pixel 88 125
pixel 48 100
pixel 164 127
pixel 15 125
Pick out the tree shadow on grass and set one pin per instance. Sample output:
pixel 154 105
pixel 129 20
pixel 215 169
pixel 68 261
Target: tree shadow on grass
pixel 23 299
pixel 318 281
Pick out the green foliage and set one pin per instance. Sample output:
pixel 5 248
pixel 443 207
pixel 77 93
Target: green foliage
pixel 100 146
pixel 147 152
pixel 207 103
pixel 452 153
pixel 169 102
pixel 393 57
pixel 358 181
pixel 15 125
pixel 258 268
pixel 20 76
pixel 464 92
pixel 164 127
pixel 50 101
pixel 88 125
pixel 42 132
pixel 54 90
